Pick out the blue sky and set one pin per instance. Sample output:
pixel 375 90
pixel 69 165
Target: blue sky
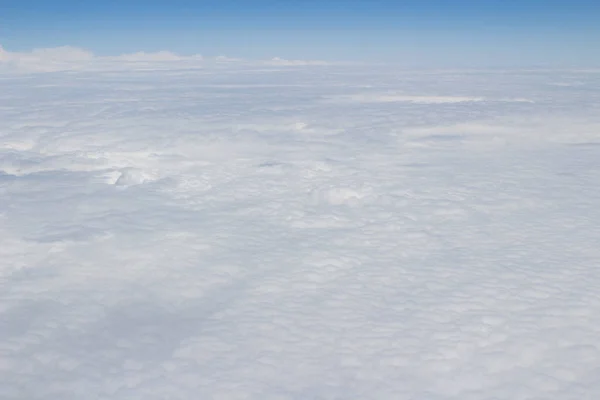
pixel 444 32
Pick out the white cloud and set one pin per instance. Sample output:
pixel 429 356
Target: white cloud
pixel 294 63
pixel 153 57
pixel 227 234
pixel 227 59
pixel 72 58
pixel 417 99
pixel 69 58
pixel 64 53
pixel 50 59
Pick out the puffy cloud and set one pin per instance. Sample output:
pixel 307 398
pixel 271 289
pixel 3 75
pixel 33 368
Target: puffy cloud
pixel 229 233
pixel 153 57
pixel 293 63
pixel 60 54
pixel 226 59
pixel 49 59
pixel 72 58
pixel 63 53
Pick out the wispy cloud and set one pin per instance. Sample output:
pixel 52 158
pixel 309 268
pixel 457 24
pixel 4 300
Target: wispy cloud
pixel 72 58
pixel 283 62
pixel 45 59
pixel 417 99
pixel 160 56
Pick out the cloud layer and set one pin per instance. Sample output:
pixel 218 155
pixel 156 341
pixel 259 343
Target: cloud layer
pixel 276 233
pixel 72 58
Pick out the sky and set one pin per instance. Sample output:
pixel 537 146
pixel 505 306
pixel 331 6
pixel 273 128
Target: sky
pixel 484 32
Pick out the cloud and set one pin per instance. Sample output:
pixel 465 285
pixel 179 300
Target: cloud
pixel 73 58
pixel 228 233
pixel 225 59
pixel 61 54
pixel 48 59
pixel 66 58
pixel 417 99
pixel 160 56
pixel 294 63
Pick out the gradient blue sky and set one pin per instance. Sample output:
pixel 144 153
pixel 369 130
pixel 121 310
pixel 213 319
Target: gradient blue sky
pixel 434 32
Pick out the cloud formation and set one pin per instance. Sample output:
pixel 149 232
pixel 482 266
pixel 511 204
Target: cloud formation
pixel 47 59
pixel 229 234
pixel 295 63
pixel 72 58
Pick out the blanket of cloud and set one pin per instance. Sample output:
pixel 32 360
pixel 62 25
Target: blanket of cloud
pixel 291 231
